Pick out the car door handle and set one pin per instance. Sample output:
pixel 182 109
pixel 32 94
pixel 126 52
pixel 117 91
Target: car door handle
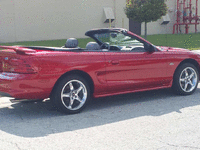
pixel 115 62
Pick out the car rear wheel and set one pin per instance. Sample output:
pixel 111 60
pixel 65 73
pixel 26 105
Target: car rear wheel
pixel 186 79
pixel 71 94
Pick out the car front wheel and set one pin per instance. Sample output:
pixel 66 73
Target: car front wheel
pixel 186 79
pixel 71 94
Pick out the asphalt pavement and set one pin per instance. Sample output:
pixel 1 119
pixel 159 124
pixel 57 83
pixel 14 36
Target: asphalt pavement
pixel 153 120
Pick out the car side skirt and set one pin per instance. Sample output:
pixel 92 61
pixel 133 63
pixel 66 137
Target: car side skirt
pixel 126 92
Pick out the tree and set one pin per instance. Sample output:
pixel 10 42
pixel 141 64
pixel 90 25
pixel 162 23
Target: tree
pixel 145 11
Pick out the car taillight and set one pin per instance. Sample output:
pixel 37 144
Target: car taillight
pixel 16 65
pixel 1 69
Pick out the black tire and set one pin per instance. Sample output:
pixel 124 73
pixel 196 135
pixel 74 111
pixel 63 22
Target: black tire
pixel 71 94
pixel 186 79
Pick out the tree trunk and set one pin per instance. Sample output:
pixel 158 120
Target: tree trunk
pixel 145 31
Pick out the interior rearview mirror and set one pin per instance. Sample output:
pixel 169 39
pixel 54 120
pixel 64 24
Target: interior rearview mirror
pixel 113 35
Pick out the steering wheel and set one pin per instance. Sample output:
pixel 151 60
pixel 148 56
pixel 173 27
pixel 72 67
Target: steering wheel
pixel 105 45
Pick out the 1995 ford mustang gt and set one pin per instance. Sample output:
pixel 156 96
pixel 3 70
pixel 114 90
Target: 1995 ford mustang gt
pixel 118 62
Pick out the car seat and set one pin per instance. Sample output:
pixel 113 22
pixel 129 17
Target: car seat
pixel 71 43
pixel 92 46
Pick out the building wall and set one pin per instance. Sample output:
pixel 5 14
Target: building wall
pixel 157 28
pixel 30 20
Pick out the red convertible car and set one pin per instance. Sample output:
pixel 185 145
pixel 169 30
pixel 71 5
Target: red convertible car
pixel 118 62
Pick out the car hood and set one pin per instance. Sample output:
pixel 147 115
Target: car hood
pixel 165 48
pixel 179 50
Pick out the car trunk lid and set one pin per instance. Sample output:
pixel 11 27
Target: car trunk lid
pixel 19 50
pixel 14 59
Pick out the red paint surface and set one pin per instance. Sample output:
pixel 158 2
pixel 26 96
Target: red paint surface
pixel 111 72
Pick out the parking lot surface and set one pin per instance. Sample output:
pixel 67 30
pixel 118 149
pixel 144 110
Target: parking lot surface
pixel 149 120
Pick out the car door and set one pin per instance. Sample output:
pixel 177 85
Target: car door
pixel 133 71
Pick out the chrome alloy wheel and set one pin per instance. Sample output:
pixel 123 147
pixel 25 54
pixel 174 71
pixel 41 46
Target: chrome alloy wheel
pixel 188 79
pixel 74 95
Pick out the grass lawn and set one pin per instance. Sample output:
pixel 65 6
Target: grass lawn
pixel 189 41
pixel 53 43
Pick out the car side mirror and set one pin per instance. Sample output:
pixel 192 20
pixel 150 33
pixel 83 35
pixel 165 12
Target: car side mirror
pixel 151 49
pixel 148 47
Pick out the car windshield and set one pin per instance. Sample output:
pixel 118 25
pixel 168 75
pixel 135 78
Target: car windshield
pixel 117 38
